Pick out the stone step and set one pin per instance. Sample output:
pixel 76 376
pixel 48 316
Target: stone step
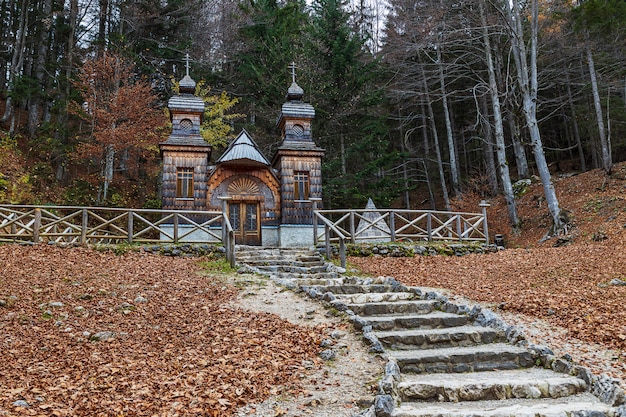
pixel 305 282
pixel 575 406
pixel 439 338
pixel 279 260
pixel 291 268
pixel 494 356
pixel 433 320
pixel 376 297
pixel 494 385
pixel 390 308
pixel 356 289
pixel 321 277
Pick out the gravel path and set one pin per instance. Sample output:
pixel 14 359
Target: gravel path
pixel 337 388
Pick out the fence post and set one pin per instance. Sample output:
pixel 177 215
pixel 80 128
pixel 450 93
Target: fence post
pixel 327 241
pixel 459 232
pixel 84 226
pixel 175 227
pixel 37 225
pixel 429 226
pixel 315 235
pixel 483 204
pixel 130 226
pixel 352 227
pixel 392 224
pixel 342 251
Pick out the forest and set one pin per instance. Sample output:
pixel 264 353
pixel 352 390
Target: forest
pixel 417 102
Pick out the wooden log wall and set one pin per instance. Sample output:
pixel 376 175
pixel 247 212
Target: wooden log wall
pixel 289 162
pixel 172 160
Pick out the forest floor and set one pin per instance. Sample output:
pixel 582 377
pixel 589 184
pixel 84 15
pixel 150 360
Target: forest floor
pixel 88 333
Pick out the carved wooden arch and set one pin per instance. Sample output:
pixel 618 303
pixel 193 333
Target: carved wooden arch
pixel 243 186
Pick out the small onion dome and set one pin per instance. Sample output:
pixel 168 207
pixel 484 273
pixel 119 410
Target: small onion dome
pixel 295 92
pixel 187 85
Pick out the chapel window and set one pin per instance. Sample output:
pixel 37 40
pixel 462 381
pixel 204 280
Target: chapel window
pixel 301 185
pixel 184 183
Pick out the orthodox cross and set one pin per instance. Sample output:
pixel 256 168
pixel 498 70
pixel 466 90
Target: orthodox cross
pixel 187 63
pixel 293 67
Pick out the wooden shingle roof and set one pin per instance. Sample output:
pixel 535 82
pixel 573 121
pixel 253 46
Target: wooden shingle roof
pixel 243 150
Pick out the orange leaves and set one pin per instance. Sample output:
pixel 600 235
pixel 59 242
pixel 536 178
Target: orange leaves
pixel 184 351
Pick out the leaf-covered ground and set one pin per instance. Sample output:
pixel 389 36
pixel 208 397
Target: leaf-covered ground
pixel 179 347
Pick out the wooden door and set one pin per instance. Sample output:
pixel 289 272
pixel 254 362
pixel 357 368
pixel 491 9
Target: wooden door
pixel 246 222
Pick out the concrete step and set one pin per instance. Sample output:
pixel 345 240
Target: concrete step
pixel 433 320
pixel 575 406
pixel 439 338
pixel 376 297
pixel 495 385
pixel 494 356
pixel 390 308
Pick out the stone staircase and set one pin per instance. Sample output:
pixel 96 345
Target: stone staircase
pixel 444 359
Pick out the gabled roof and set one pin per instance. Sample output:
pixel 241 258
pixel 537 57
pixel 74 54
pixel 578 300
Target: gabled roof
pixel 243 150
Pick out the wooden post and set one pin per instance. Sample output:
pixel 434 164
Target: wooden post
pixel 175 227
pixel 84 226
pixel 315 237
pixel 230 247
pixel 327 241
pixel 37 225
pixel 392 224
pixel 459 232
pixel 130 226
pixel 429 226
pixel 352 227
pixel 342 251
pixel 483 204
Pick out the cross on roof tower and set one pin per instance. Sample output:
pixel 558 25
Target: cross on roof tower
pixel 293 67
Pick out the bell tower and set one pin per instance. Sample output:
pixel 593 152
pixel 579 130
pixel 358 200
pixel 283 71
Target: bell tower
pixel 298 162
pixel 185 153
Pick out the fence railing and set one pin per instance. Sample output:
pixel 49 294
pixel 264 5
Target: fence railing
pixel 92 225
pixel 392 225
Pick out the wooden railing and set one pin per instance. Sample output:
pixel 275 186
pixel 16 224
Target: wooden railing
pixel 92 225
pixel 356 226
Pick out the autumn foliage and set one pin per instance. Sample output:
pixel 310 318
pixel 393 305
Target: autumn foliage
pixel 124 121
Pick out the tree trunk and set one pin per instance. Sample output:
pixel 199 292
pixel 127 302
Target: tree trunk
pixel 490 163
pixel 102 26
pixel 503 166
pixel 605 146
pixel 527 80
pixel 39 64
pixel 431 195
pixel 431 117
pixel 454 171
pixel 109 159
pixel 579 145
pixel 17 61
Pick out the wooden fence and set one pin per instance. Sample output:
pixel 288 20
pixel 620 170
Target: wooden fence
pixel 85 225
pixel 388 225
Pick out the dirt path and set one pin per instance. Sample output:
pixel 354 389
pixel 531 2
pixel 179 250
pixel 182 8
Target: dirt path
pixel 337 388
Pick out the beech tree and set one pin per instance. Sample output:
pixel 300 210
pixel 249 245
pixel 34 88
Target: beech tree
pixel 526 65
pixel 123 117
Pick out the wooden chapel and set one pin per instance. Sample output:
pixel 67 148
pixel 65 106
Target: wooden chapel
pixel 268 203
